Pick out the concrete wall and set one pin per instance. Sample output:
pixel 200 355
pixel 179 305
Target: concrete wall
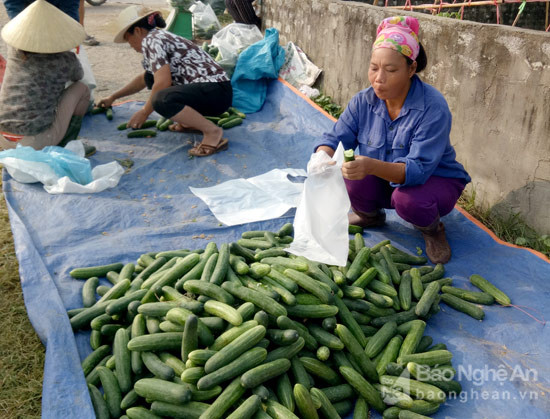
pixel 496 80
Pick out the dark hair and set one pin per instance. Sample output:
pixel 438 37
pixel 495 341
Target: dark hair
pixel 421 60
pixel 158 22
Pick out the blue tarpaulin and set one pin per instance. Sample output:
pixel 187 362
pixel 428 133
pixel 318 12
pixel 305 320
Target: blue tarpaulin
pixel 502 362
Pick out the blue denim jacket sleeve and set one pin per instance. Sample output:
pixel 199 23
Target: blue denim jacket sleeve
pixel 429 142
pixel 345 129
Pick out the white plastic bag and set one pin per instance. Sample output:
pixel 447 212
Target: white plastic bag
pixel 262 197
pixel 88 79
pixel 298 70
pixel 232 40
pixel 205 22
pixel 321 221
pixel 26 165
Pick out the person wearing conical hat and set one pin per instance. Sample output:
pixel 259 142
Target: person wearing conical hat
pixel 185 82
pixel 36 109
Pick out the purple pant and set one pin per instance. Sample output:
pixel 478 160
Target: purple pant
pixel 420 205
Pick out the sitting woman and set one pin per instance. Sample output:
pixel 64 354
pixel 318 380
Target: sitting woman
pixel 185 82
pixel 36 109
pixel 401 128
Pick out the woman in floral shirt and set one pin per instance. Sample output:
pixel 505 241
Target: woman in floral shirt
pixel 185 82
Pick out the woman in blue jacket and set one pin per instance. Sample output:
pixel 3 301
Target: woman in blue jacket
pixel 401 128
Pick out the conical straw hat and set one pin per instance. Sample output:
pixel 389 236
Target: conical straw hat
pixel 43 28
pixel 127 18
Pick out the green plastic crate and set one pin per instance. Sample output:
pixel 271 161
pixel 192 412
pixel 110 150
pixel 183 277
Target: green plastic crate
pixel 182 24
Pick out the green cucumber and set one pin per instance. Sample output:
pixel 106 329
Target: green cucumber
pixel 436 274
pixel 416 283
pixel 98 402
pixel 233 392
pixel 230 123
pixel 238 366
pixel 278 411
pixel 111 390
pixel 464 306
pixel 414 388
pixel 269 305
pixel 394 273
pixel 179 315
pixel 319 311
pixel 230 335
pixel 284 392
pixel 246 410
pixel 156 366
pixel 325 338
pixel 141 133
pixel 347 319
pixel 358 264
pixel 285 323
pixel 470 296
pixel 363 387
pixel 426 301
pixel 122 361
pixel 357 352
pixel 405 290
pixel 304 402
pixel 156 342
pixel 309 284
pixel 286 351
pixel 190 338
pixel 172 361
pixel 88 291
pixel 282 337
pixel 160 390
pixel 319 369
pixel 190 410
pixel 296 264
pixel 223 311
pixel 392 396
pixel 485 286
pixel 380 339
pixel 413 337
pixel 264 372
pixel 191 375
pixel 390 353
pixel 234 349
pixel 99 271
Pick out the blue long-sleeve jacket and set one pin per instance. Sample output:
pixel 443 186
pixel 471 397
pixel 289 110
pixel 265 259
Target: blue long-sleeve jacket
pixel 418 137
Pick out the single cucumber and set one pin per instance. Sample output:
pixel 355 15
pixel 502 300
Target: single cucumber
pixel 243 363
pixel 141 133
pixel 99 271
pixel 156 366
pixel 485 286
pixel 234 349
pixel 233 392
pixel 262 301
pixel 190 338
pixel 363 387
pixel 321 370
pixel 230 123
pixel 190 410
pixel 356 350
pixel 247 410
pixel 380 339
pixel 461 305
pixel 122 361
pixel 264 372
pixel 98 402
pixel 413 337
pixel 304 402
pixel 428 297
pixel 111 390
pixel 160 390
pixel 414 388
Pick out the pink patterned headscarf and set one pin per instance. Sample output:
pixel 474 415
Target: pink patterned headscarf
pixel 399 33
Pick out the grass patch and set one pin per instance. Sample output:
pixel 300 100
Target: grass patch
pixel 21 352
pixel 509 227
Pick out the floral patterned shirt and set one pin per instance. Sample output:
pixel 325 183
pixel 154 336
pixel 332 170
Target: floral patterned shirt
pixel 188 62
pixel 32 86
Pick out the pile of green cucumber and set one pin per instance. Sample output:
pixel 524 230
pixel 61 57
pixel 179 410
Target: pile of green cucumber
pixel 229 119
pixel 247 330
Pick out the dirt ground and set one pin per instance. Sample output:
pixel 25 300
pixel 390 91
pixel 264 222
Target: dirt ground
pixel 112 64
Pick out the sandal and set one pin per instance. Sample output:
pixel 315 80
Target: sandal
pixel 176 127
pixel 203 150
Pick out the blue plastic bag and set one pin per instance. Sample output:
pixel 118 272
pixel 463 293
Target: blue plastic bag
pixel 256 65
pixel 25 164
